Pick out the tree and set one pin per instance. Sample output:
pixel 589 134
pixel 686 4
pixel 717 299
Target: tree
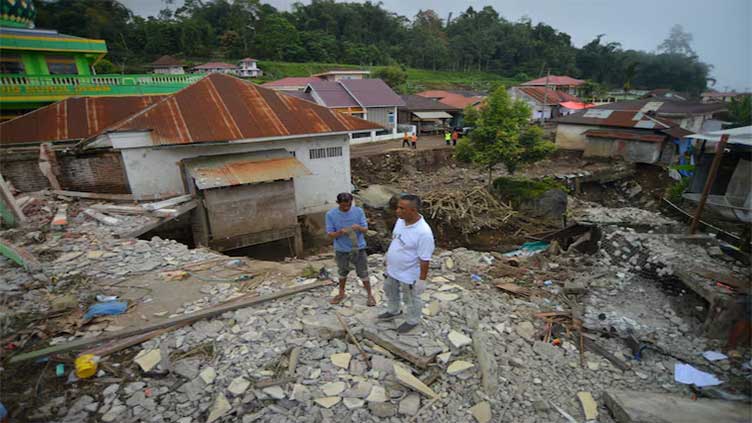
pixel 277 38
pixel 503 135
pixel 740 111
pixel 394 76
pixel 678 42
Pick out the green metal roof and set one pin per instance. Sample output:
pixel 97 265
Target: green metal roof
pixel 48 40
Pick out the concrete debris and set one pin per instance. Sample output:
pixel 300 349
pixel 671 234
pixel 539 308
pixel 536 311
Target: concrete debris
pixel 459 366
pixel 589 407
pixel 458 339
pixel 240 384
pixel 378 394
pixel 328 402
pixel 208 375
pixel 148 359
pixel 481 412
pixel 275 392
pixel 220 407
pixel 333 389
pixel 341 360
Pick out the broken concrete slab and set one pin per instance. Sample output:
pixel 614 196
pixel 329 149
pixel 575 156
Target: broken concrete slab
pixel 353 403
pixel 525 329
pixel 208 375
pixel 148 359
pixel 406 378
pixel 275 392
pixel 648 407
pixel 341 360
pixel 482 412
pixel 328 402
pixel 333 388
pixel 459 366
pixel 238 386
pixel 459 339
pixel 220 407
pixel 410 405
pixel 589 407
pixel 378 394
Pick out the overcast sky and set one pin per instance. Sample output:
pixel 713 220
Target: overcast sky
pixel 721 29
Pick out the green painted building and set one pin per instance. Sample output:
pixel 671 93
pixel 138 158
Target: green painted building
pixel 41 66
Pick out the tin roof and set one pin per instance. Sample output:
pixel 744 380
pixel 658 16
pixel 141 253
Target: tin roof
pixel 625 135
pixel 215 65
pixel 291 81
pixel 248 59
pixel 74 118
pixel 166 60
pixel 664 107
pixel 616 118
pixel 333 94
pixel 372 92
pixel 418 103
pixel 225 108
pixel 453 99
pixel 555 80
pixel 300 94
pixel 549 95
pixel 342 71
pixel 246 168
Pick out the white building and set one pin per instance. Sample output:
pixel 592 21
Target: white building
pixel 216 67
pixel 167 65
pixel 248 68
pixel 342 74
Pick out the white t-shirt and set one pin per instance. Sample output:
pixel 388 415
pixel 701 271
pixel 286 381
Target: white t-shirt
pixel 410 245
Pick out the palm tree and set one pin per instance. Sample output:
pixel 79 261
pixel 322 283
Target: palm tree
pixel 629 73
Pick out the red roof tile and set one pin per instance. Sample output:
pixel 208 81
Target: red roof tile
pixel 554 80
pixel 452 99
pixel 225 108
pixel 74 118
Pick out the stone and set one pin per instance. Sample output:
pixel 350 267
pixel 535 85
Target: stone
pixel 482 412
pixel 547 351
pixel 208 375
pixel 593 365
pixel 113 413
pixel 187 368
pixel 445 296
pixel 80 404
pixel 315 373
pixel 333 389
pixel 326 327
pixel 300 393
pixel 589 407
pixel 327 402
pixel 439 279
pixel 459 366
pixel 382 364
pixel 636 406
pixel 353 403
pixel 525 329
pixel 406 378
pixel 444 357
pixel 110 390
pixel 432 309
pixel 459 339
pixel 239 385
pixel 410 405
pixel 361 390
pixel 341 360
pixel 220 407
pixel 275 392
pixel 449 287
pixel 383 409
pixel 378 394
pixel 148 359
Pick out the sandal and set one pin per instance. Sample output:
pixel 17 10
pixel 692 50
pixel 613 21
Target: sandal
pixel 338 299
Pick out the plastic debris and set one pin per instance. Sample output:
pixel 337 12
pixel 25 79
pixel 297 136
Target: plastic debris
pixel 528 249
pixel 688 375
pixel 110 308
pixel 106 298
pixel 714 356
pixel 86 366
pixel 60 370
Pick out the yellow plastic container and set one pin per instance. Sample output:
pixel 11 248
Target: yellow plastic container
pixel 86 366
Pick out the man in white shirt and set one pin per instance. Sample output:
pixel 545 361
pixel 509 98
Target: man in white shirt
pixel 407 262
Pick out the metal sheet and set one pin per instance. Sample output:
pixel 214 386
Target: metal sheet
pixel 433 115
pixel 247 168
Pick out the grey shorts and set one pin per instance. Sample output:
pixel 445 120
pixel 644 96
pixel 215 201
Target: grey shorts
pixel 359 259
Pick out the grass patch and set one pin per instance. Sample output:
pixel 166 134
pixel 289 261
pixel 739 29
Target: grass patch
pixel 518 190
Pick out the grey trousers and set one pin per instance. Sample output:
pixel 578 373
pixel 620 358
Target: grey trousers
pixel 413 303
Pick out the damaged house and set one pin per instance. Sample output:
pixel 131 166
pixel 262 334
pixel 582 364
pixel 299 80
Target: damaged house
pixel 257 158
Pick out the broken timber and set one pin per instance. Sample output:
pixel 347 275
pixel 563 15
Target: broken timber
pixel 107 220
pixel 181 210
pixel 171 323
pixel 390 345
pixel 102 196
pixel 167 203
pixel 10 212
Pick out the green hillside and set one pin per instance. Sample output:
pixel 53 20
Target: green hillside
pixel 417 79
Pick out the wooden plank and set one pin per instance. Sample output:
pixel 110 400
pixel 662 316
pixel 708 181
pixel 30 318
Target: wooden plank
pixel 389 345
pixel 167 203
pixel 294 354
pixel 121 344
pixel 181 210
pixel 233 305
pixel 48 163
pixel 107 220
pixel 274 382
pixel 252 239
pixel 591 345
pixel 94 195
pixel 114 208
pixel 515 289
pixel 9 210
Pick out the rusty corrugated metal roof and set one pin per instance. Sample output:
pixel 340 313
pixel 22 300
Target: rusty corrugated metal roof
pixel 246 168
pixel 624 135
pixel 555 80
pixel 74 118
pixel 550 95
pixel 225 108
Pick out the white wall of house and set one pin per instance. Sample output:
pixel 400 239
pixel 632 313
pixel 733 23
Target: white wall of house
pixel 382 116
pixel 570 137
pixel 536 109
pixel 155 169
pixel 249 69
pixel 172 70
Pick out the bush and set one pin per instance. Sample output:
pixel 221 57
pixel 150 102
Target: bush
pixel 675 191
pixel 463 152
pixel 518 189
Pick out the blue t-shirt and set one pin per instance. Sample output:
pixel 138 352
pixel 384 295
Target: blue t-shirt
pixel 336 219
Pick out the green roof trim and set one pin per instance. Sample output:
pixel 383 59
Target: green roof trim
pixel 52 43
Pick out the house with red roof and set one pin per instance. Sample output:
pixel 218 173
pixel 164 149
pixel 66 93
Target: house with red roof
pixel 216 67
pixel 546 102
pixel 557 82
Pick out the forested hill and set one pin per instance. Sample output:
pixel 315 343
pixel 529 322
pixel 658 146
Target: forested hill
pixel 368 34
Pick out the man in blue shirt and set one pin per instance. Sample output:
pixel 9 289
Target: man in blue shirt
pixel 346 225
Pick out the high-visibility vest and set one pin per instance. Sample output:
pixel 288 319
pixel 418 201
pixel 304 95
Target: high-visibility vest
pixel 447 136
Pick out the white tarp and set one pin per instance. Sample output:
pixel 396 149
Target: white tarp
pixel 432 115
pixel 742 136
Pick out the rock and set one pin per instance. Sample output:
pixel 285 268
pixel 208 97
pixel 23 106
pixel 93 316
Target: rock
pixel 439 279
pixel 593 365
pixel 525 329
pixel 326 327
pixel 148 359
pixel 589 407
pixel 327 402
pixel 432 309
pixel 353 403
pixel 458 339
pixel 444 357
pixel 275 392
pixel 378 394
pixel 341 360
pixel 537 381
pixel 459 366
pixel 300 393
pixel 208 375
pixel 113 413
pixel 382 364
pixel 220 407
pixel 406 378
pixel 482 412
pixel 378 196
pixel 445 296
pixel 410 405
pixel 333 389
pixel 110 390
pixel 187 368
pixel 361 390
pixel 80 405
pixel 64 302
pixel 547 351
pixel 383 409
pixel 239 385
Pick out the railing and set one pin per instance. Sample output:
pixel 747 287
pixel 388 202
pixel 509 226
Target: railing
pixel 117 79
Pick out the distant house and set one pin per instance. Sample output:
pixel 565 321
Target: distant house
pixel 638 137
pixel 667 94
pixel 340 74
pixel 689 115
pixel 291 83
pixel 427 114
pixel 547 103
pixel 559 83
pixel 216 67
pixel 168 65
pixel 713 96
pixel 369 99
pixel 248 68
pixel 458 99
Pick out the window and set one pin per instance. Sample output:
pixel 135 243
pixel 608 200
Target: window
pixel 292 153
pixel 11 64
pixel 61 65
pixel 391 117
pixel 359 115
pixel 361 135
pixel 322 153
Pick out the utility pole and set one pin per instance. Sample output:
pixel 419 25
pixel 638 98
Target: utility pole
pixel 545 98
pixel 709 182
